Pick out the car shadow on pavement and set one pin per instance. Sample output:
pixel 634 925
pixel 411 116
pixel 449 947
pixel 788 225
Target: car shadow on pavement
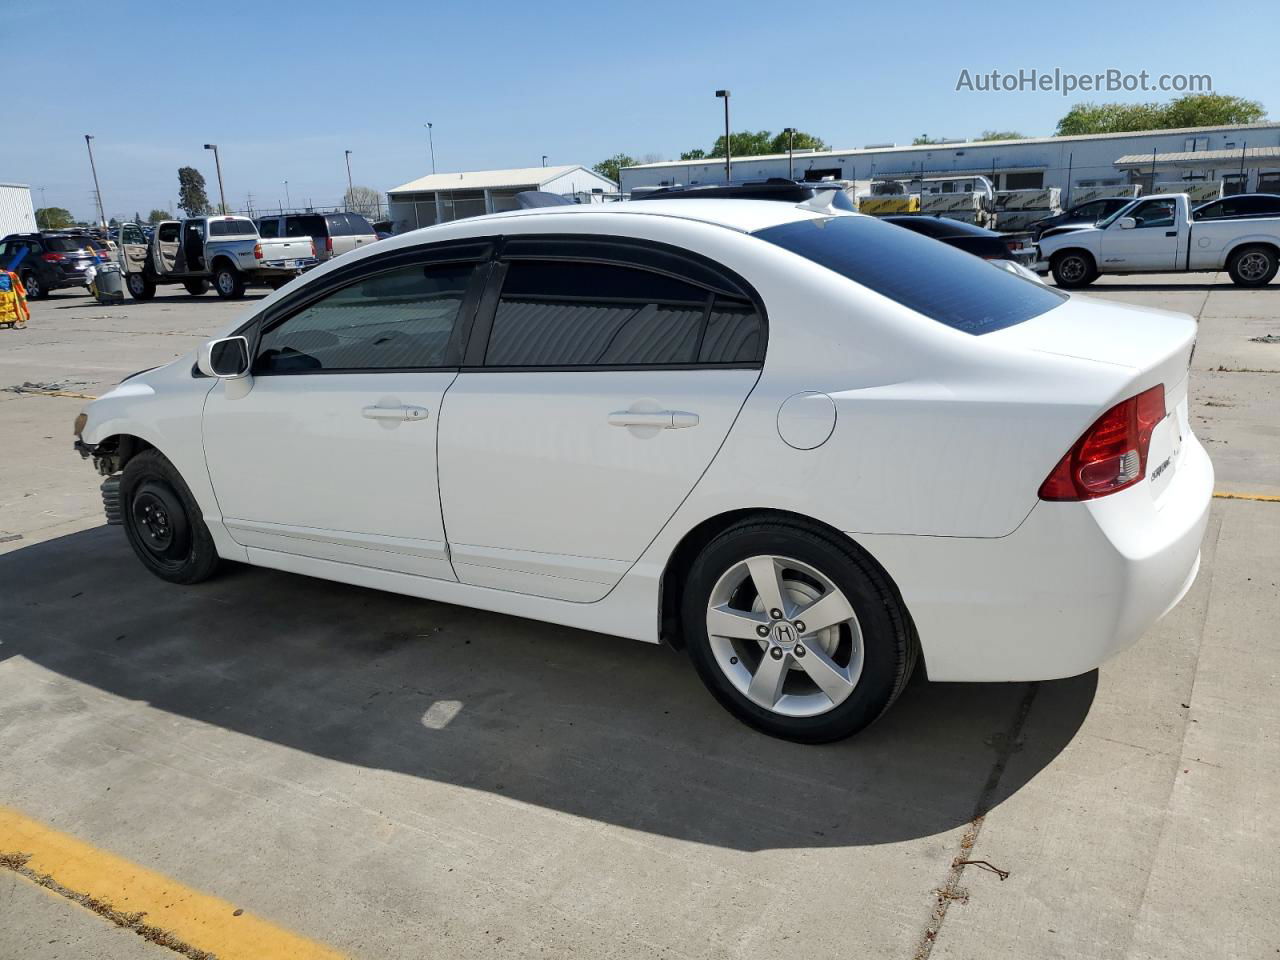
pixel 617 731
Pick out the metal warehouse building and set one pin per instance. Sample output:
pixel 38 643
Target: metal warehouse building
pixel 1246 157
pixel 441 197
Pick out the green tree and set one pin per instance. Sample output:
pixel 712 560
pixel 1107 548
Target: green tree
pixel 53 218
pixel 925 139
pixel 137 217
pixel 697 153
pixel 612 167
pixel 191 196
pixel 155 216
pixel 1000 135
pixel 1192 110
pixel 746 143
pixel 801 141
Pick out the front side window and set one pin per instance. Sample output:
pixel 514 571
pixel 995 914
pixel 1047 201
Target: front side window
pixel 1154 213
pixel 581 314
pixel 933 279
pixel 400 319
pixel 168 233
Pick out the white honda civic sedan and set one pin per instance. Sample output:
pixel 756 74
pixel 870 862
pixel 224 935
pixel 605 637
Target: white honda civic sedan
pixel 805 446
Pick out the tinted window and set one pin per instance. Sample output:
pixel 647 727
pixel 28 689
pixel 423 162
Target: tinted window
pixel 232 228
pixel 358 225
pixel 66 244
pixel 1095 209
pixel 936 280
pixel 395 320
pixel 734 334
pixel 307 226
pixel 269 228
pixel 168 233
pixel 336 223
pixel 572 314
pixel 1154 213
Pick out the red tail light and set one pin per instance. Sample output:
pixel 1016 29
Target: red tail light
pixel 52 257
pixel 328 244
pixel 1112 454
pixel 313 248
pixel 1012 245
pixel 257 251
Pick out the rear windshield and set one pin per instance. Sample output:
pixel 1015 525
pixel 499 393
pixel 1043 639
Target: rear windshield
pixel 69 244
pixel 232 228
pixel 942 283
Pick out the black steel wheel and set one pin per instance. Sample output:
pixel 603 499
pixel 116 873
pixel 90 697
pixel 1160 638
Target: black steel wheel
pixel 163 522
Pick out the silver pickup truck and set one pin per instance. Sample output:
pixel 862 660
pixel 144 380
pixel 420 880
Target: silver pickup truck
pixel 1159 234
pixel 222 249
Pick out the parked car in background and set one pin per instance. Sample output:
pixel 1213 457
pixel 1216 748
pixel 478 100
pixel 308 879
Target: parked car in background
pixel 1239 206
pixel 49 261
pixel 334 233
pixel 222 249
pixel 968 237
pixel 806 446
pixel 1157 235
pixel 1084 215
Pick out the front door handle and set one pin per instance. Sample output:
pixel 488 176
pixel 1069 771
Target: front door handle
pixel 1171 233
pixel 403 412
pixel 662 419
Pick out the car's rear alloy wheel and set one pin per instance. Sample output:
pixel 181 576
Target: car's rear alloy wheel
pixel 785 636
pixel 796 631
pixel 31 283
pixel 1253 267
pixel 229 283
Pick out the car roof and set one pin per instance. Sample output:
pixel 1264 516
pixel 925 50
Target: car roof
pixel 744 216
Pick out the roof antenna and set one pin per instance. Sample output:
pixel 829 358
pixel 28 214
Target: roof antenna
pixel 823 201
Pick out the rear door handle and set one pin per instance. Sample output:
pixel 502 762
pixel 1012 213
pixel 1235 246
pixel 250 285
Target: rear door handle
pixel 662 419
pixel 404 412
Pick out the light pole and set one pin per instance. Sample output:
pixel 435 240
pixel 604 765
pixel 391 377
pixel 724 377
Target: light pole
pixel 544 159
pixel 97 190
pixel 791 151
pixel 728 148
pixel 287 202
pixel 431 141
pixel 217 162
pixel 350 189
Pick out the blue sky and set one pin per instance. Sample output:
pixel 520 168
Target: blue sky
pixel 285 87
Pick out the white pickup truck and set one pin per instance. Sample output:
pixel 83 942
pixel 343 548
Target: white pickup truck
pixel 1160 235
pixel 226 250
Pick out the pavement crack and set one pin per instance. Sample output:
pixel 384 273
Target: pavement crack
pixel 17 862
pixel 950 891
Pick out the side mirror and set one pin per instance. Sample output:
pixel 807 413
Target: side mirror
pixel 1126 223
pixel 226 358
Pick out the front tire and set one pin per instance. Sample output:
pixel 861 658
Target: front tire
pixel 796 631
pixel 1253 266
pixel 229 282
pixel 1073 269
pixel 197 288
pixel 163 523
pixel 141 287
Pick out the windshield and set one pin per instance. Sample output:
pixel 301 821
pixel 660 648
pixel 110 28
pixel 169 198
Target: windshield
pixel 1107 221
pixel 930 277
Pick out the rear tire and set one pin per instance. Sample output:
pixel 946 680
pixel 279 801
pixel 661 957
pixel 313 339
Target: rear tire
pixel 1073 269
pixel 229 282
pixel 141 287
pixel 811 683
pixel 31 283
pixel 1253 266
pixel 163 522
pixel 197 288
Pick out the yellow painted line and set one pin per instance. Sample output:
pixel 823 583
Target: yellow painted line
pixel 1264 497
pixel 157 907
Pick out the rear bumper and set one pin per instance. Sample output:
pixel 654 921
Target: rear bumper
pixel 1075 584
pixel 291 267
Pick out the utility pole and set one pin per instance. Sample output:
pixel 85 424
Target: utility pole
pixel 102 217
pixel 217 162
pixel 350 189
pixel 432 142
pixel 287 202
pixel 544 159
pixel 728 147
pixel 791 152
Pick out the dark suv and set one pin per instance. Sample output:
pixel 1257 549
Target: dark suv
pixel 50 261
pixel 333 233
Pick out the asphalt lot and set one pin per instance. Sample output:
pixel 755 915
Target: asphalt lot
pixel 392 778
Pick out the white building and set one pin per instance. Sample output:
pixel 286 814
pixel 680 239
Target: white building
pixel 441 197
pixel 17 214
pixel 1246 157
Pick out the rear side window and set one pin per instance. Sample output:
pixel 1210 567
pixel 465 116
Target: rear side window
pixel 232 228
pixel 936 280
pixel 307 226
pixel 336 224
pixel 580 314
pixel 358 225
pixel 400 319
